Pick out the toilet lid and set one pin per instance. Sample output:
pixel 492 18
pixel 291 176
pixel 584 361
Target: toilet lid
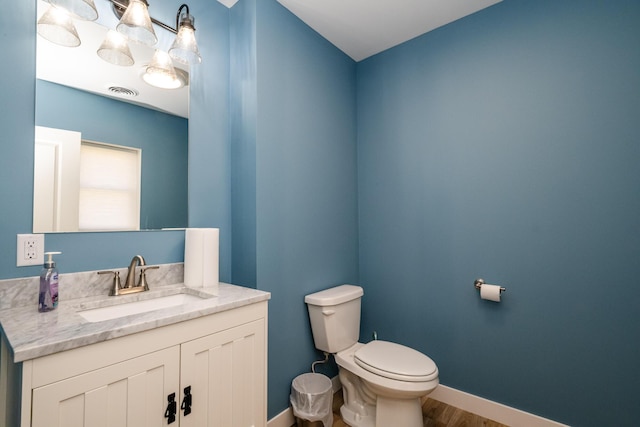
pixel 396 361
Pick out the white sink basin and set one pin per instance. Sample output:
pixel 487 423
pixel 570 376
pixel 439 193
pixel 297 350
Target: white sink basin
pixel 136 307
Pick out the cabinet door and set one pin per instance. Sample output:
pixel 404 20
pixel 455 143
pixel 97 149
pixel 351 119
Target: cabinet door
pixel 131 393
pixel 227 375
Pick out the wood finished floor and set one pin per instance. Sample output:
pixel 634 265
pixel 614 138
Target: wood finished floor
pixel 434 413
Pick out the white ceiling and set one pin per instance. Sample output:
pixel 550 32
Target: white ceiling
pixel 362 28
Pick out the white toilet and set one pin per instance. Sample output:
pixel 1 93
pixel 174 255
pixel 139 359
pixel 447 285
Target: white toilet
pixel 382 382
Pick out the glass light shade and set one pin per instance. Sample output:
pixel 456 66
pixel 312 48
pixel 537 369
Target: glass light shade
pixel 184 48
pixel 136 23
pixel 115 49
pixel 81 9
pixel 57 27
pixel 160 72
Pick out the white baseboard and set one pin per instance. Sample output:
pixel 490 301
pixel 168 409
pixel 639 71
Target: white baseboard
pixel 489 409
pixel 283 419
pixel 465 401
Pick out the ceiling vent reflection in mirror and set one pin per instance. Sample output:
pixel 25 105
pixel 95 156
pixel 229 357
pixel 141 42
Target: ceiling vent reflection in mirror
pixel 119 90
pixel 56 25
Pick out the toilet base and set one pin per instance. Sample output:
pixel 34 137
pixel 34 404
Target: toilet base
pixel 389 412
pixel 363 407
pixel 354 419
pixel 398 412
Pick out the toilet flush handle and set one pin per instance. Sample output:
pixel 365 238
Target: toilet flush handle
pixel 328 312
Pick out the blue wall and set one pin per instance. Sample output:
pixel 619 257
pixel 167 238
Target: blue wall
pixel 306 183
pixel 209 148
pixel 209 187
pixel 501 146
pixel 16 138
pixel 505 146
pixel 244 105
pixel 162 137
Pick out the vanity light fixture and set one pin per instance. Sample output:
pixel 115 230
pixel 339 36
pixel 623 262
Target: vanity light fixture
pixel 136 23
pixel 184 48
pixel 57 26
pixel 81 9
pixel 115 49
pixel 160 72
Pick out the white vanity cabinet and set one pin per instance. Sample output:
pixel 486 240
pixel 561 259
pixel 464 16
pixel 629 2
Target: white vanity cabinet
pixel 219 359
pixel 129 393
pixel 226 374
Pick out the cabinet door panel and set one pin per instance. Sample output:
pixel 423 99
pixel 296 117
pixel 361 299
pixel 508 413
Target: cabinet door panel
pixel 226 372
pixel 71 412
pixel 95 410
pixel 131 393
pixel 116 403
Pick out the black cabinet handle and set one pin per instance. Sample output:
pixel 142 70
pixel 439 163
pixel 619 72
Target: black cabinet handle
pixel 172 408
pixel 186 402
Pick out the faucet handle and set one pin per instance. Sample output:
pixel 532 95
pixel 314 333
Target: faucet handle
pixel 115 288
pixel 143 279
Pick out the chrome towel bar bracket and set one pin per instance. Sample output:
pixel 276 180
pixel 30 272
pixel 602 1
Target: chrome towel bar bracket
pixel 479 282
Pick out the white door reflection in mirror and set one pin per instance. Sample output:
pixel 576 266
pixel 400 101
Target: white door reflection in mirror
pixel 56 180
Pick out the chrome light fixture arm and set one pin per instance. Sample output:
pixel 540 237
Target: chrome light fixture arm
pixel 186 21
pixel 119 6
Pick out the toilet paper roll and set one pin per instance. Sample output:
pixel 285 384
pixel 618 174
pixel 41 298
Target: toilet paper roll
pixel 193 257
pixel 201 257
pixel 490 292
pixel 210 257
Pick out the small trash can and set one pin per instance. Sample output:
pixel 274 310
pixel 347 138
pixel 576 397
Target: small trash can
pixel 312 398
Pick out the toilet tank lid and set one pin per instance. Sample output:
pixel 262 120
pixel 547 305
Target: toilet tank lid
pixel 334 296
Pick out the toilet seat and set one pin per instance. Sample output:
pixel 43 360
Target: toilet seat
pixel 395 361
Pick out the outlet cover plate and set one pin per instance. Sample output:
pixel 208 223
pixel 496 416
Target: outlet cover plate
pixel 30 250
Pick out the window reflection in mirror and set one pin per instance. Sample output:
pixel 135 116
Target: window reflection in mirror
pixel 159 129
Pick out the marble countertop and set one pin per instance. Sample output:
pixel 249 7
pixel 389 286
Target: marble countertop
pixel 31 334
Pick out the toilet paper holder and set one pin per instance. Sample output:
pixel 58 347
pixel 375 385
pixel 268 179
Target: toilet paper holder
pixel 479 282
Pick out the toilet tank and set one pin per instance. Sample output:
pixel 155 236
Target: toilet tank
pixel 335 317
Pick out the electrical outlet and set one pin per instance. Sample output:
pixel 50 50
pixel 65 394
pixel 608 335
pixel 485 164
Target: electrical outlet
pixel 30 250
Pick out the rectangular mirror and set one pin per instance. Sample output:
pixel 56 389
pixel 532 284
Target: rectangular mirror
pixel 79 94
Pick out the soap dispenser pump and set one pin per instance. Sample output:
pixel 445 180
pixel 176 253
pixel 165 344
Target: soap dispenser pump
pixel 48 295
